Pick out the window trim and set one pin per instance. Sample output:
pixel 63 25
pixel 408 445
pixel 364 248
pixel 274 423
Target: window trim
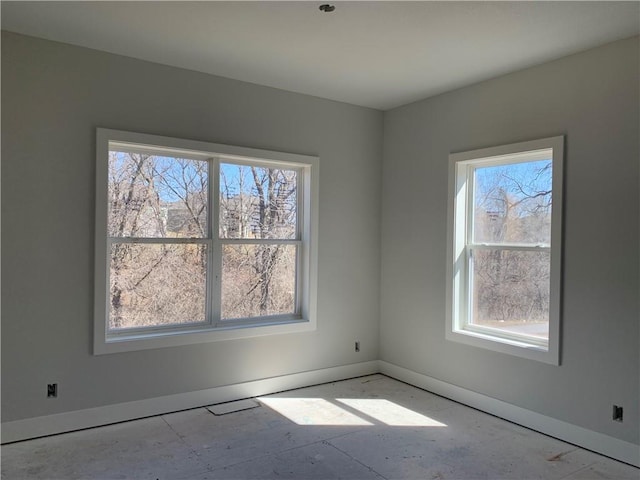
pixel 137 339
pixel 459 204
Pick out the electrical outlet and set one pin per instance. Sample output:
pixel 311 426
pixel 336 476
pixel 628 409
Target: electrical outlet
pixel 617 413
pixel 52 390
pixel 357 346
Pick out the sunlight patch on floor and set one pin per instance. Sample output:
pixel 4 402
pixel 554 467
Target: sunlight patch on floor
pixel 319 411
pixel 390 413
pixel 313 411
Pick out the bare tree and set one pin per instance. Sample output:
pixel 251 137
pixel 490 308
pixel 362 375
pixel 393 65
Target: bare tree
pixel 156 283
pixel 512 205
pixel 161 281
pixel 259 278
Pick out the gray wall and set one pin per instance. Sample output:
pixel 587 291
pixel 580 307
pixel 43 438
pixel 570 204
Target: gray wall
pixel 592 98
pixel 53 98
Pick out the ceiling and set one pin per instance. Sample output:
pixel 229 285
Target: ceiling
pixel 374 54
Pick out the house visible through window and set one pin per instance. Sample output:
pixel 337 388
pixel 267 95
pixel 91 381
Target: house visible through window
pixel 504 270
pixel 195 241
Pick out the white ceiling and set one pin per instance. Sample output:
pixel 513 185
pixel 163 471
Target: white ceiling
pixel 375 54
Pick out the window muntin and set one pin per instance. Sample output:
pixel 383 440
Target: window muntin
pixel 505 224
pixel 198 241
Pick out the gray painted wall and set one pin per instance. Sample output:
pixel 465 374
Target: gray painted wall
pixel 592 98
pixel 53 98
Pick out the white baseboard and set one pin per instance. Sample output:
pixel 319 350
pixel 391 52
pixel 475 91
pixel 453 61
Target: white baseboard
pixel 92 417
pixel 120 412
pixel 600 443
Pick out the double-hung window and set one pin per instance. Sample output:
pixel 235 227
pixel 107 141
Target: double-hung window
pixel 504 248
pixel 200 242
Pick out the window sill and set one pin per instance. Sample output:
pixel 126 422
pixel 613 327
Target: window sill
pixel 145 341
pixel 516 348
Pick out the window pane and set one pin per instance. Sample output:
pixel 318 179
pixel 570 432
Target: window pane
pixel 510 291
pixel 258 280
pixel 512 203
pixel 257 202
pixel 154 196
pixel 156 285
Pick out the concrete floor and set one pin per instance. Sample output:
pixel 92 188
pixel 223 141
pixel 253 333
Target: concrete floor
pixel 365 428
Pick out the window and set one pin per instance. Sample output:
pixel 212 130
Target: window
pixel 200 242
pixel 504 248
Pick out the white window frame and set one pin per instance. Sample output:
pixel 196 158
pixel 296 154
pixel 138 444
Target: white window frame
pixel 213 329
pixel 459 246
